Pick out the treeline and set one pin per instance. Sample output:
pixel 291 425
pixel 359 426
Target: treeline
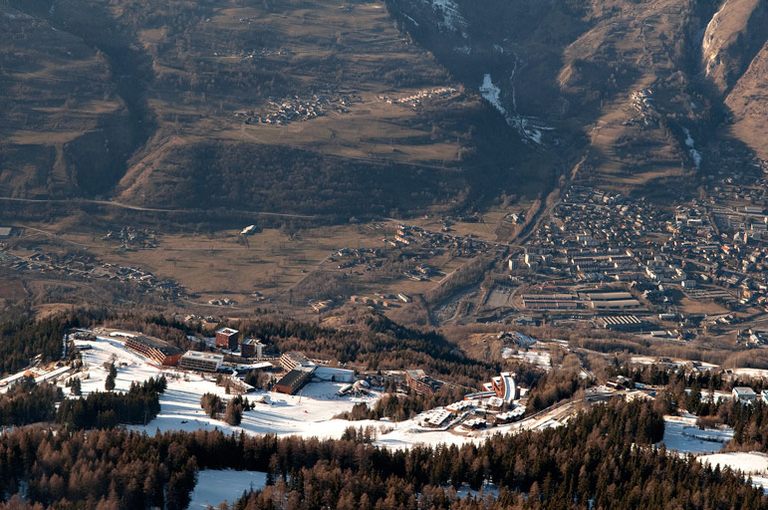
pixel 139 406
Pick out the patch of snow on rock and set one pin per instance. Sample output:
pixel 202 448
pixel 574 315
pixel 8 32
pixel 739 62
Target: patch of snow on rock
pixel 691 144
pixel 450 15
pixel 529 128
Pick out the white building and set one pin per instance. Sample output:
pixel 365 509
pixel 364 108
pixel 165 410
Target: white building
pixel 744 394
pixel 334 374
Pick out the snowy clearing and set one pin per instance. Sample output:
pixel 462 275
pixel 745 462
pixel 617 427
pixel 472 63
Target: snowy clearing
pixel 749 463
pixel 216 486
pixel 683 436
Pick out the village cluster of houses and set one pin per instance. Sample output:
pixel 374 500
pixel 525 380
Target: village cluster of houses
pixel 86 267
pixel 415 101
pixel 131 238
pixel 297 109
pixel 460 246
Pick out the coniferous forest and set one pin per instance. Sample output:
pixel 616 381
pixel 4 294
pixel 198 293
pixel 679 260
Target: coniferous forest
pixel 604 458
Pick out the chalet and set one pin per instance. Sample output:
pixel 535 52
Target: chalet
pixel 438 418
pixel 510 416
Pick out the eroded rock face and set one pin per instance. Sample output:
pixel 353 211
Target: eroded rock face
pixel 748 103
pixel 733 37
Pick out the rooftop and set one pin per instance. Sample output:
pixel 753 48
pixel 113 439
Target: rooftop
pixel 295 375
pixel 204 356
pixel 156 343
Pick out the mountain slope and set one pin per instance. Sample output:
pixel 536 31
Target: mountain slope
pixel 633 89
pixel 218 82
pixel 61 111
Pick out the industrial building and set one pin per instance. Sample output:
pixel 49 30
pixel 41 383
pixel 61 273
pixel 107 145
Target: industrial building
pixel 157 350
pixel 622 322
pixel 202 361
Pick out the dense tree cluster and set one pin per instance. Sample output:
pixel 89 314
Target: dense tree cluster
pixel 399 406
pixel 26 402
pixel 96 469
pixel 597 461
pixel 232 410
pixel 139 405
pixel 109 382
pixel 557 385
pixel 23 338
pixel 277 178
pixel 382 345
pixel 603 458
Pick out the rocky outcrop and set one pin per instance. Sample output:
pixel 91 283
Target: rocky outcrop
pixel 733 37
pixel 748 103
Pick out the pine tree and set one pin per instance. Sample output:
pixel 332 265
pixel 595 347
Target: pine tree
pixel 76 387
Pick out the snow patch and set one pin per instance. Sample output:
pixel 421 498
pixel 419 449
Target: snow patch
pixel 691 144
pixel 529 128
pixel 451 17
pixel 217 486
pixel 749 463
pixel 683 436
pixel 492 94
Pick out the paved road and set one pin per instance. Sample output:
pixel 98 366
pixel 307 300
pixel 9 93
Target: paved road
pixel 130 207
